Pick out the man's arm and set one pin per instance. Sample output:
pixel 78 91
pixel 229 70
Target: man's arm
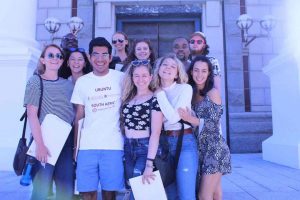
pixel 79 115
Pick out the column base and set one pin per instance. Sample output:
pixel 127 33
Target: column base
pixel 282 150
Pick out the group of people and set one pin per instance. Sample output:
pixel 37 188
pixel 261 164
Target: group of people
pixel 125 101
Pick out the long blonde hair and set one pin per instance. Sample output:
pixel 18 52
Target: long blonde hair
pixel 182 75
pixel 129 90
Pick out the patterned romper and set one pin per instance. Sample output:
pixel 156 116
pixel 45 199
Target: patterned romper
pixel 214 154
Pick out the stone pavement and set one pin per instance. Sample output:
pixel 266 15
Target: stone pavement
pixel 252 178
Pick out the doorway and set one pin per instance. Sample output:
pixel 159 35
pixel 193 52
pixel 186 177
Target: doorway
pixel 161 32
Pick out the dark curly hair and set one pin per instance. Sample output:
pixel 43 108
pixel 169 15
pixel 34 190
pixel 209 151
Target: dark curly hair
pixel 209 84
pixel 65 71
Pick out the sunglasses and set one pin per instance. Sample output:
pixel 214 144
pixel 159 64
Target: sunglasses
pixel 118 40
pixel 52 56
pixel 197 41
pixel 73 49
pixel 136 63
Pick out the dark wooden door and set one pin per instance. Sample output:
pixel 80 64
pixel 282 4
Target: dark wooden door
pixel 160 33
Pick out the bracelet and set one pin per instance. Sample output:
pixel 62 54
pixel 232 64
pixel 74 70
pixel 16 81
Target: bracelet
pixel 150 159
pixel 150 166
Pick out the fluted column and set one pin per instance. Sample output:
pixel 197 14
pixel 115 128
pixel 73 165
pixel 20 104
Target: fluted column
pixel 18 57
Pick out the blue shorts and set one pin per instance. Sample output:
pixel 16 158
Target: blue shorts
pixel 105 166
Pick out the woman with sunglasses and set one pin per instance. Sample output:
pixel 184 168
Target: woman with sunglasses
pixel 198 47
pixel 173 93
pixel 141 122
pixel 213 151
pixel 55 100
pixel 141 50
pixel 77 65
pixel 121 45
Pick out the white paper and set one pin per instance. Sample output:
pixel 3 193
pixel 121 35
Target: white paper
pixel 75 188
pixel 55 132
pixel 80 125
pixel 153 191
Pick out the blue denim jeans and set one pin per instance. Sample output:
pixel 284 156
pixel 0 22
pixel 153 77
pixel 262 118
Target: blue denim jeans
pixel 62 174
pixel 186 174
pixel 135 156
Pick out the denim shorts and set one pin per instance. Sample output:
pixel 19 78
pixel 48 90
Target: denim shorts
pixel 104 166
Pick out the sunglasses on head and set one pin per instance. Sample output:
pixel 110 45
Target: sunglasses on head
pixel 118 40
pixel 197 41
pixel 140 62
pixel 74 49
pixel 52 56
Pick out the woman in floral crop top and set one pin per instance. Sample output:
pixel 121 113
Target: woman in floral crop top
pixel 140 110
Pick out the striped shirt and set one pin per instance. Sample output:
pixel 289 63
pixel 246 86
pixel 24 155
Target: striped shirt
pixel 56 97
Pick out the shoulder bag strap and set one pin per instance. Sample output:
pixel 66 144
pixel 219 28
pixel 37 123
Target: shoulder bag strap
pixel 41 97
pixel 179 144
pixel 24 116
pixel 179 141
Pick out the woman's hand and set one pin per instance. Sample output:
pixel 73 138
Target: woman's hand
pixel 185 114
pixel 188 116
pixel 148 174
pixel 42 153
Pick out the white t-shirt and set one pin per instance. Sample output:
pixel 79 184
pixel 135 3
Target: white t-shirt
pixel 101 96
pixel 170 99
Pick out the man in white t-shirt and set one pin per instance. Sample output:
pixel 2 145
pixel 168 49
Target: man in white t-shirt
pixel 97 96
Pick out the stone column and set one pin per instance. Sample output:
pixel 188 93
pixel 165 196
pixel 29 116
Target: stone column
pixel 18 59
pixel 105 19
pixel 283 147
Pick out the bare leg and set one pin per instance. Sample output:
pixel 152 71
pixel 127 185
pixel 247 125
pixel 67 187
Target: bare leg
pixel 108 195
pixel 89 195
pixel 209 185
pixel 218 193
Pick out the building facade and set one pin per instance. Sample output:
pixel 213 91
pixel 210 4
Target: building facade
pixel 247 119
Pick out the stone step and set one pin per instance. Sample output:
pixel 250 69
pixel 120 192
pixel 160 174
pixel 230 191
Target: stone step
pixel 249 130
pixel 250 123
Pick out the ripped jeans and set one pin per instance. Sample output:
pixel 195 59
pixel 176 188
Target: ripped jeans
pixel 185 186
pixel 135 156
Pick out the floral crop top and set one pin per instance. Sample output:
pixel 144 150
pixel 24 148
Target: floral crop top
pixel 137 117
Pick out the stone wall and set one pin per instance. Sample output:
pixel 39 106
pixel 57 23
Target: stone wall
pixel 262 50
pixel 248 129
pixel 85 12
pixel 234 64
pixel 60 9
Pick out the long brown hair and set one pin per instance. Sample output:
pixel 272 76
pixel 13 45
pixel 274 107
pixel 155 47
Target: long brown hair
pixel 131 56
pixel 129 90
